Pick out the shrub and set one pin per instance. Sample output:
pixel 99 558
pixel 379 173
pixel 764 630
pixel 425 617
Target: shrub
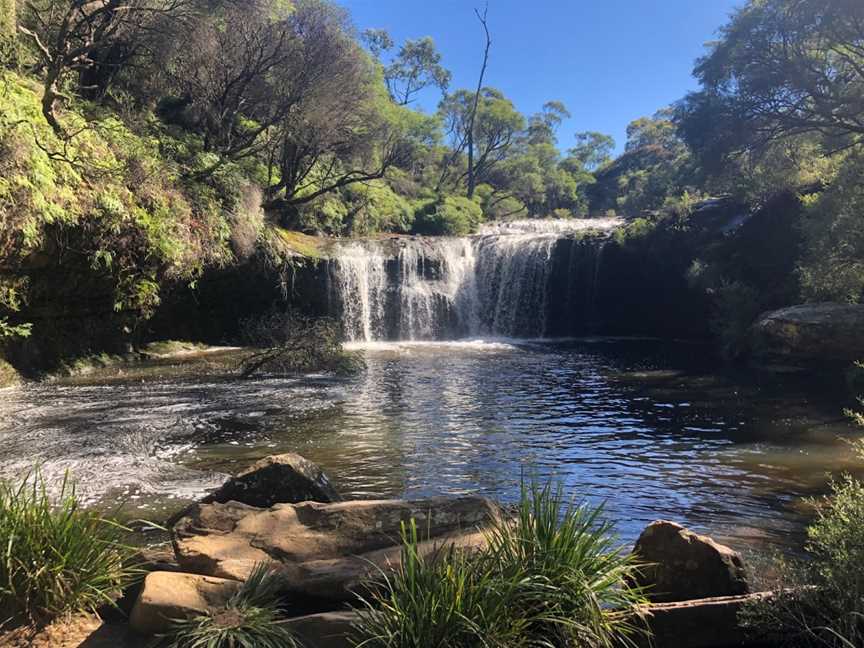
pixel 821 601
pixel 449 216
pixel 252 618
pixel 550 576
pixel 56 557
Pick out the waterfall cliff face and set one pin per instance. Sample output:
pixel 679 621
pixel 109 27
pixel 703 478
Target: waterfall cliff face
pixel 496 283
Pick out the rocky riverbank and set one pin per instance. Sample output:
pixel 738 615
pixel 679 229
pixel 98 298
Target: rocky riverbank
pixel 284 510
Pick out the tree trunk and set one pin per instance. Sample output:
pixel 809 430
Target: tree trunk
pixel 472 176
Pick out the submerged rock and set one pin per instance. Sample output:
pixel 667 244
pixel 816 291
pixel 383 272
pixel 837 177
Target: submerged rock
pixel 279 479
pixel 810 334
pixel 681 565
pixel 324 550
pixel 172 595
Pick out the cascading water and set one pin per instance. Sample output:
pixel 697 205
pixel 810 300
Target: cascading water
pixel 420 288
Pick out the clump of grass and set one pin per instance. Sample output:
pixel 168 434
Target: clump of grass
pixel 550 576
pixel 436 601
pixel 251 618
pixel 55 556
pixel 571 579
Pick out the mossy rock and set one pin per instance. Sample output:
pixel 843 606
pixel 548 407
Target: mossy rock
pixel 8 375
pixel 168 348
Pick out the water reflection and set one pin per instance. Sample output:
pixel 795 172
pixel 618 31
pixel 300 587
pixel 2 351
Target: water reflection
pixel 634 424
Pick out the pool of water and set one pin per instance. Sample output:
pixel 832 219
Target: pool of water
pixel 638 425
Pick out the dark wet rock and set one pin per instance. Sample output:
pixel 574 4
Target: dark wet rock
pixel 701 623
pixel 324 550
pixel 825 333
pixel 326 629
pixel 681 565
pixel 279 479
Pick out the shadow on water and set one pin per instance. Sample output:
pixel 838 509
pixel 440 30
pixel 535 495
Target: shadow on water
pixel 640 425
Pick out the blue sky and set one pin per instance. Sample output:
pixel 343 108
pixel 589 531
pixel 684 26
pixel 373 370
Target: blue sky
pixel 609 61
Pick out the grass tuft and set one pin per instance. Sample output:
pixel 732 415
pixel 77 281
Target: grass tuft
pixel 56 557
pixel 551 576
pixel 252 618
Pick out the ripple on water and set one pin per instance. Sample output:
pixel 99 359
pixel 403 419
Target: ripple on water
pixel 648 439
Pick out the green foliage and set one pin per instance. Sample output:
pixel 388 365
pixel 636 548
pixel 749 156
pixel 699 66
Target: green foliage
pixel 779 70
pixel 833 265
pixel 551 576
pixel 570 577
pixel 56 557
pixel 8 32
pixel 374 207
pixel 251 618
pixel 449 216
pixel 110 189
pixel 820 602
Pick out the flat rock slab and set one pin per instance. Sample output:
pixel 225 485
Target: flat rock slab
pixel 681 565
pixel 810 334
pixel 173 595
pixel 324 550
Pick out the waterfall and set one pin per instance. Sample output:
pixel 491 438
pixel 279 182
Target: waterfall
pixel 422 288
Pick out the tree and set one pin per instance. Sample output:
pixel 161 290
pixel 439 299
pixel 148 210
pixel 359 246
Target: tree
pixel 342 127
pixel 780 69
pixel 416 67
pixel 655 165
pixel 472 169
pixel 592 149
pixel 543 126
pixel 487 132
pixel 79 36
pixel 229 68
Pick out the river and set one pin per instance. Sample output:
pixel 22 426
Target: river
pixel 645 427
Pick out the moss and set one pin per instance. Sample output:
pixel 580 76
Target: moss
pixel 170 347
pixel 8 375
pixel 299 243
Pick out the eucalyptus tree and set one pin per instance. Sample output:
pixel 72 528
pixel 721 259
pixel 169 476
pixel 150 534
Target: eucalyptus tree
pixel 780 69
pixel 491 135
pixel 415 67
pixel 80 44
pixel 592 150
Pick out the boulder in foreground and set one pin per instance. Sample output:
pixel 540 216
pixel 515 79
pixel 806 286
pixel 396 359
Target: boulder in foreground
pixel 681 565
pixel 324 550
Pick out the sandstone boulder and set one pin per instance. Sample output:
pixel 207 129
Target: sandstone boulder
pixel 810 334
pixel 324 550
pixel 280 479
pixel 173 595
pixel 682 565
